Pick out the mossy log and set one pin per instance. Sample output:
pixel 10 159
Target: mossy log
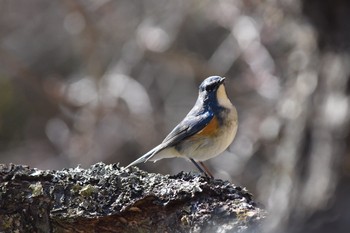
pixel 105 198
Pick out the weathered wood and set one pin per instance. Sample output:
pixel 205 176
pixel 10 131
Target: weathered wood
pixel 104 198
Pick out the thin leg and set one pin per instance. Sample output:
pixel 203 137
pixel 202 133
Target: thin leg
pixel 206 170
pixel 196 164
pixel 201 169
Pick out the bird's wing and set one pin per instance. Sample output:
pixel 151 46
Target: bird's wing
pixel 191 125
pixel 194 122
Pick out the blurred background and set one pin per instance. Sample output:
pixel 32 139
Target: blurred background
pixel 101 80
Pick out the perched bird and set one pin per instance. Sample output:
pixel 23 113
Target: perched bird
pixel 207 130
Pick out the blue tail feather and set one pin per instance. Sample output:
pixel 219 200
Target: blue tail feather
pixel 144 158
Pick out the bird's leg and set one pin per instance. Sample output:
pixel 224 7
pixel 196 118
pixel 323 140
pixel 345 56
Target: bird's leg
pixel 199 168
pixel 207 171
pixel 209 175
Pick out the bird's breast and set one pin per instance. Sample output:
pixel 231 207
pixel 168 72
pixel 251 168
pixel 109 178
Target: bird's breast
pixel 212 139
pixel 210 129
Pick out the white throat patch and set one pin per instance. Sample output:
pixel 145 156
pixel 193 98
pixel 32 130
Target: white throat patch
pixel 222 98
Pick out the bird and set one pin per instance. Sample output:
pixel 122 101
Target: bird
pixel 205 132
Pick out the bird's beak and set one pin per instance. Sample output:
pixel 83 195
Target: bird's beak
pixel 222 80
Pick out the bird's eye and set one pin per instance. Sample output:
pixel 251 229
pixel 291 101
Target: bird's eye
pixel 209 88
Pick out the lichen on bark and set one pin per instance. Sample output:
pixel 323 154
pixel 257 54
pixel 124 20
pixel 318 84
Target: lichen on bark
pixel 106 198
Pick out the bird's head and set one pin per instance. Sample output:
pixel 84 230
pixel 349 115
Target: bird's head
pixel 212 92
pixel 211 84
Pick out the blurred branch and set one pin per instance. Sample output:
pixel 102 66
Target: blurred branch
pixel 90 35
pixel 176 59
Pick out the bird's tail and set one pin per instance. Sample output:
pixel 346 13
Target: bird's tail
pixel 144 158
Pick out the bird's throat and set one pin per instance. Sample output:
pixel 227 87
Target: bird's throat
pixel 222 98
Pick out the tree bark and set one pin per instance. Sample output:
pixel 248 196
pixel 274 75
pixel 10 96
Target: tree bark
pixel 105 198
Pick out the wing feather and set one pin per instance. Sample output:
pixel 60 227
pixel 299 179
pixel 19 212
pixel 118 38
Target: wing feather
pixel 186 128
pixel 197 119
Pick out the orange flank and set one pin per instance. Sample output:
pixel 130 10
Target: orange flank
pixel 209 129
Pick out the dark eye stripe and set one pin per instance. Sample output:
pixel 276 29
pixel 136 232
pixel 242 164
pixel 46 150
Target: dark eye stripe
pixel 210 87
